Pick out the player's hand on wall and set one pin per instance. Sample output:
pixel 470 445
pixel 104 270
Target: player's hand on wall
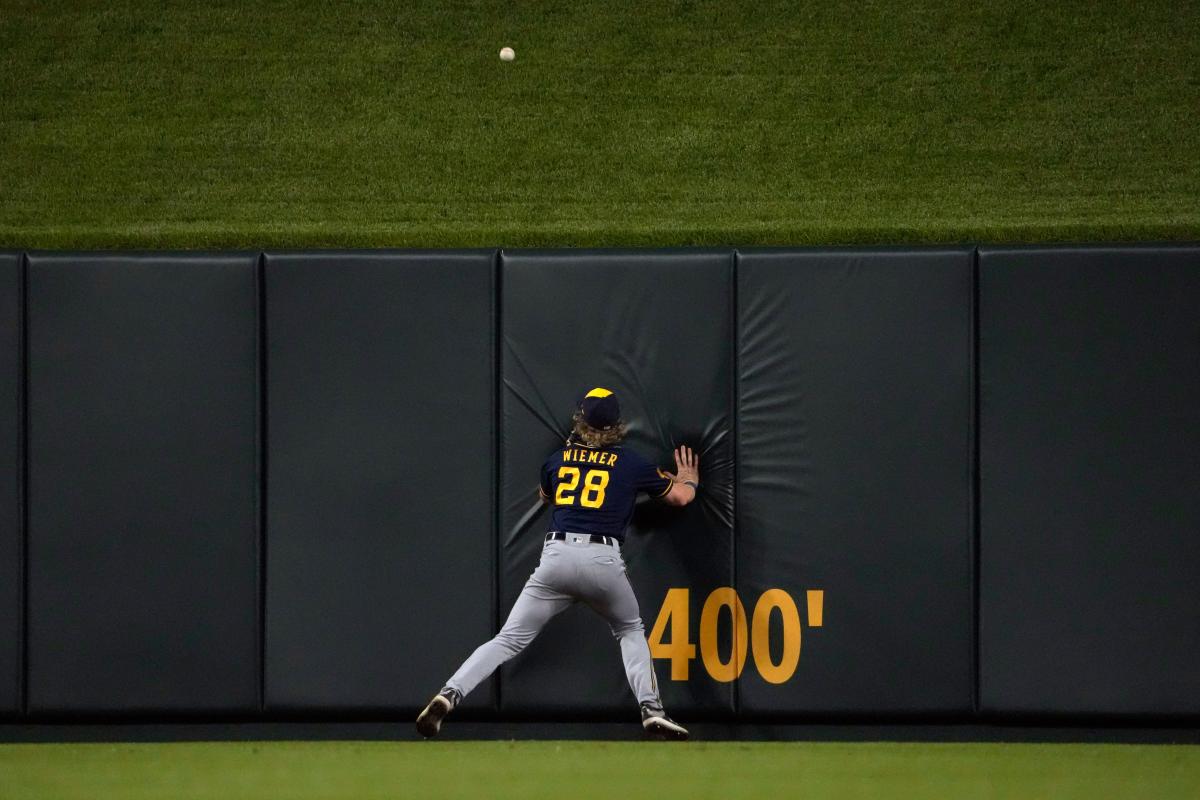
pixel 687 466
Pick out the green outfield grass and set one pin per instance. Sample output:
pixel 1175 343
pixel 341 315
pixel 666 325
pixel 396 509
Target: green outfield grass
pixel 290 123
pixel 628 770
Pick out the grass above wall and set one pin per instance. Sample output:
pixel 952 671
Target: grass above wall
pixel 295 124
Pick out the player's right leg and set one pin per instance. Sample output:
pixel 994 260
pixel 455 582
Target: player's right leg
pixel 538 603
pixel 612 597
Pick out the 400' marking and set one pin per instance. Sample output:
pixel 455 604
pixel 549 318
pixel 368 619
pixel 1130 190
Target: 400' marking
pixel 675 615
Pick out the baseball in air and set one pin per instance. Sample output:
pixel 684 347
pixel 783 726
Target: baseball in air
pixel 507 54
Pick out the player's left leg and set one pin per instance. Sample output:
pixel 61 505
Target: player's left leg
pixel 540 601
pixel 537 605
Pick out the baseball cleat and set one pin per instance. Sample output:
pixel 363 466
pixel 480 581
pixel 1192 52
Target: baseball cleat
pixel 429 722
pixel 661 727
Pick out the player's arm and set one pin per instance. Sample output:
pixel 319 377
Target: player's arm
pixel 545 485
pixel 685 479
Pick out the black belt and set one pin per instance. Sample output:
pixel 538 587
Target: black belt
pixel 594 538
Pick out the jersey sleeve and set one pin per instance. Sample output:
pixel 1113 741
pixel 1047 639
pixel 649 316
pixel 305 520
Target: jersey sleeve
pixel 545 487
pixel 650 479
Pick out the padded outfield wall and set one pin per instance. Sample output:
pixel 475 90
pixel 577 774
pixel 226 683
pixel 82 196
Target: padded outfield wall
pixel 948 483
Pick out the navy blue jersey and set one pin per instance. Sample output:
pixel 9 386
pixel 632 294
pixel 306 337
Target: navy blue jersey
pixel 593 490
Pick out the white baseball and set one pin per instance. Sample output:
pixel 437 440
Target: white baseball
pixel 507 54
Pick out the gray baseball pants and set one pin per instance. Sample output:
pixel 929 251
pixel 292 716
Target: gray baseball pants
pixel 570 571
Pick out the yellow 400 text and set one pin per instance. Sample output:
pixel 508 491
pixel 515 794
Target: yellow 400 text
pixel 680 650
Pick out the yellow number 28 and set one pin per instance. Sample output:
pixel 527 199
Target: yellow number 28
pixel 594 484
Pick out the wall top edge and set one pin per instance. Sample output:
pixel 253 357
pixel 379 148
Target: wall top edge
pixel 1089 247
pixel 1133 247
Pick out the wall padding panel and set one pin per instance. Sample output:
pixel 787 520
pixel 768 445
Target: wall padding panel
pixel 143 534
pixel 1090 480
pixel 381 532
pixel 855 477
pixel 657 328
pixel 11 456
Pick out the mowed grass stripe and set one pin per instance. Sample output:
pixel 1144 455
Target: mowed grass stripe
pixel 226 124
pixel 596 769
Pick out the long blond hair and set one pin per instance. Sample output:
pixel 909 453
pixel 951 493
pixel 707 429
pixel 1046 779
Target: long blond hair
pixel 595 437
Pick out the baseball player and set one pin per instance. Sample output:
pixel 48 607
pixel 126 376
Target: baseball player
pixel 592 483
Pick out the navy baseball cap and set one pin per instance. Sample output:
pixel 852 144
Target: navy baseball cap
pixel 600 408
